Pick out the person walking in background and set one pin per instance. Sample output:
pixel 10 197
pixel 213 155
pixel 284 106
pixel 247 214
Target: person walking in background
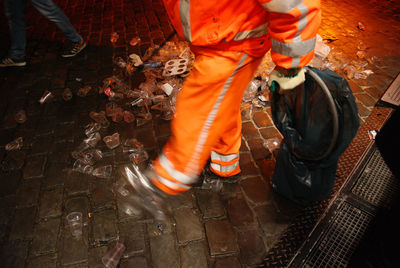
pixel 15 12
pixel 229 39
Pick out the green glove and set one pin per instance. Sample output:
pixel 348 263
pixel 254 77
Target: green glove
pixel 286 78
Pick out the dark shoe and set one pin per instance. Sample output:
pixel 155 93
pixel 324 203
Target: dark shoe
pixel 212 181
pixel 9 62
pixel 141 193
pixel 73 49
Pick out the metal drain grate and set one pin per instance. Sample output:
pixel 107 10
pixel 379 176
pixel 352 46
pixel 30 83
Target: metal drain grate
pixel 376 184
pixel 340 241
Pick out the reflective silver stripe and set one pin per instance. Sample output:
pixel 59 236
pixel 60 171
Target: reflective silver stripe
pixel 192 166
pixel 184 13
pixel 281 6
pixel 171 184
pixel 224 169
pixel 169 167
pixel 224 158
pixel 295 49
pixel 257 32
pixel 297 38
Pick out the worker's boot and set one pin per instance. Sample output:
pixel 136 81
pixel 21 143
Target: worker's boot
pixel 210 180
pixel 138 192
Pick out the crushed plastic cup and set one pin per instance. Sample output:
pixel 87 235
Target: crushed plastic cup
pixel 67 94
pixel 120 62
pixel 111 108
pixel 114 37
pixel 82 167
pixel 74 220
pixel 142 119
pixel 20 117
pixel 139 157
pixel 112 258
pixel 135 60
pixel 134 41
pixel 132 145
pixel 100 118
pixel 103 172
pixel 46 97
pixel 92 128
pixel 15 144
pixel 93 139
pixel 118 115
pixel 112 141
pixel 272 143
pixel 128 117
pixel 83 91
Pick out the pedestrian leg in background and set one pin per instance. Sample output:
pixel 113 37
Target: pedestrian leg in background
pixel 52 12
pixel 15 12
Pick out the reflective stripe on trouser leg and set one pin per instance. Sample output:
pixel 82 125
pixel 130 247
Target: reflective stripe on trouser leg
pixel 207 107
pixel 224 165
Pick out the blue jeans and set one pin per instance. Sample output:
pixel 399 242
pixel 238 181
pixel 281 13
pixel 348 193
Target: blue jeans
pixel 15 12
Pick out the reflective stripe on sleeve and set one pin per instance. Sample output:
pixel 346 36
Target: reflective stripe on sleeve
pixel 179 176
pixel 281 6
pixel 223 158
pixel 295 49
pixel 224 169
pixel 257 32
pixel 184 13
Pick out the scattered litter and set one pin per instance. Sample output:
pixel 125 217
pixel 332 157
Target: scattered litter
pixel 139 157
pixel 361 26
pixel 15 144
pixel 175 67
pixel 46 97
pixel 128 116
pixel 74 220
pixel 114 37
pixel 134 41
pixel 20 117
pixel 372 134
pixel 67 94
pixel 103 172
pixel 112 141
pixel 272 144
pixel 135 60
pixel 83 91
pixel 82 167
pixel 112 258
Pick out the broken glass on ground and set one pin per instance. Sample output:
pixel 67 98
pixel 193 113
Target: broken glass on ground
pixel 139 156
pixel 82 167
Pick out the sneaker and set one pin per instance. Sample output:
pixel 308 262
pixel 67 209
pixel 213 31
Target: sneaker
pixel 73 49
pixel 8 62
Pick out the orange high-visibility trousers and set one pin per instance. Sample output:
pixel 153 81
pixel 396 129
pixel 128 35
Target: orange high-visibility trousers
pixel 207 120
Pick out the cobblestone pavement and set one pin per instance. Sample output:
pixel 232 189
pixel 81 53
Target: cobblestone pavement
pixel 38 189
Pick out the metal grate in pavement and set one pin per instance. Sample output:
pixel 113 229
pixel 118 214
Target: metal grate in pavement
pixel 376 184
pixel 341 239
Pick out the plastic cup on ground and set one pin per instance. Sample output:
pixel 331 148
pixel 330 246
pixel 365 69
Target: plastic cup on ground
pixel 75 223
pixel 112 258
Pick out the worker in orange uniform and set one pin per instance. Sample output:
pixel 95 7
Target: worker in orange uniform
pixel 229 39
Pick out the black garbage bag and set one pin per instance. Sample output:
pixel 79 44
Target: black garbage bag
pixel 318 120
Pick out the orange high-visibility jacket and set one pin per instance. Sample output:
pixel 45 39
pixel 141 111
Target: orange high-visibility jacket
pixel 287 27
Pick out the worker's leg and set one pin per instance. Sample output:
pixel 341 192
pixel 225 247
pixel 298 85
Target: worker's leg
pixel 207 110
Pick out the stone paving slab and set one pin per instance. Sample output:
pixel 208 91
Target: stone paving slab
pixel 231 228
